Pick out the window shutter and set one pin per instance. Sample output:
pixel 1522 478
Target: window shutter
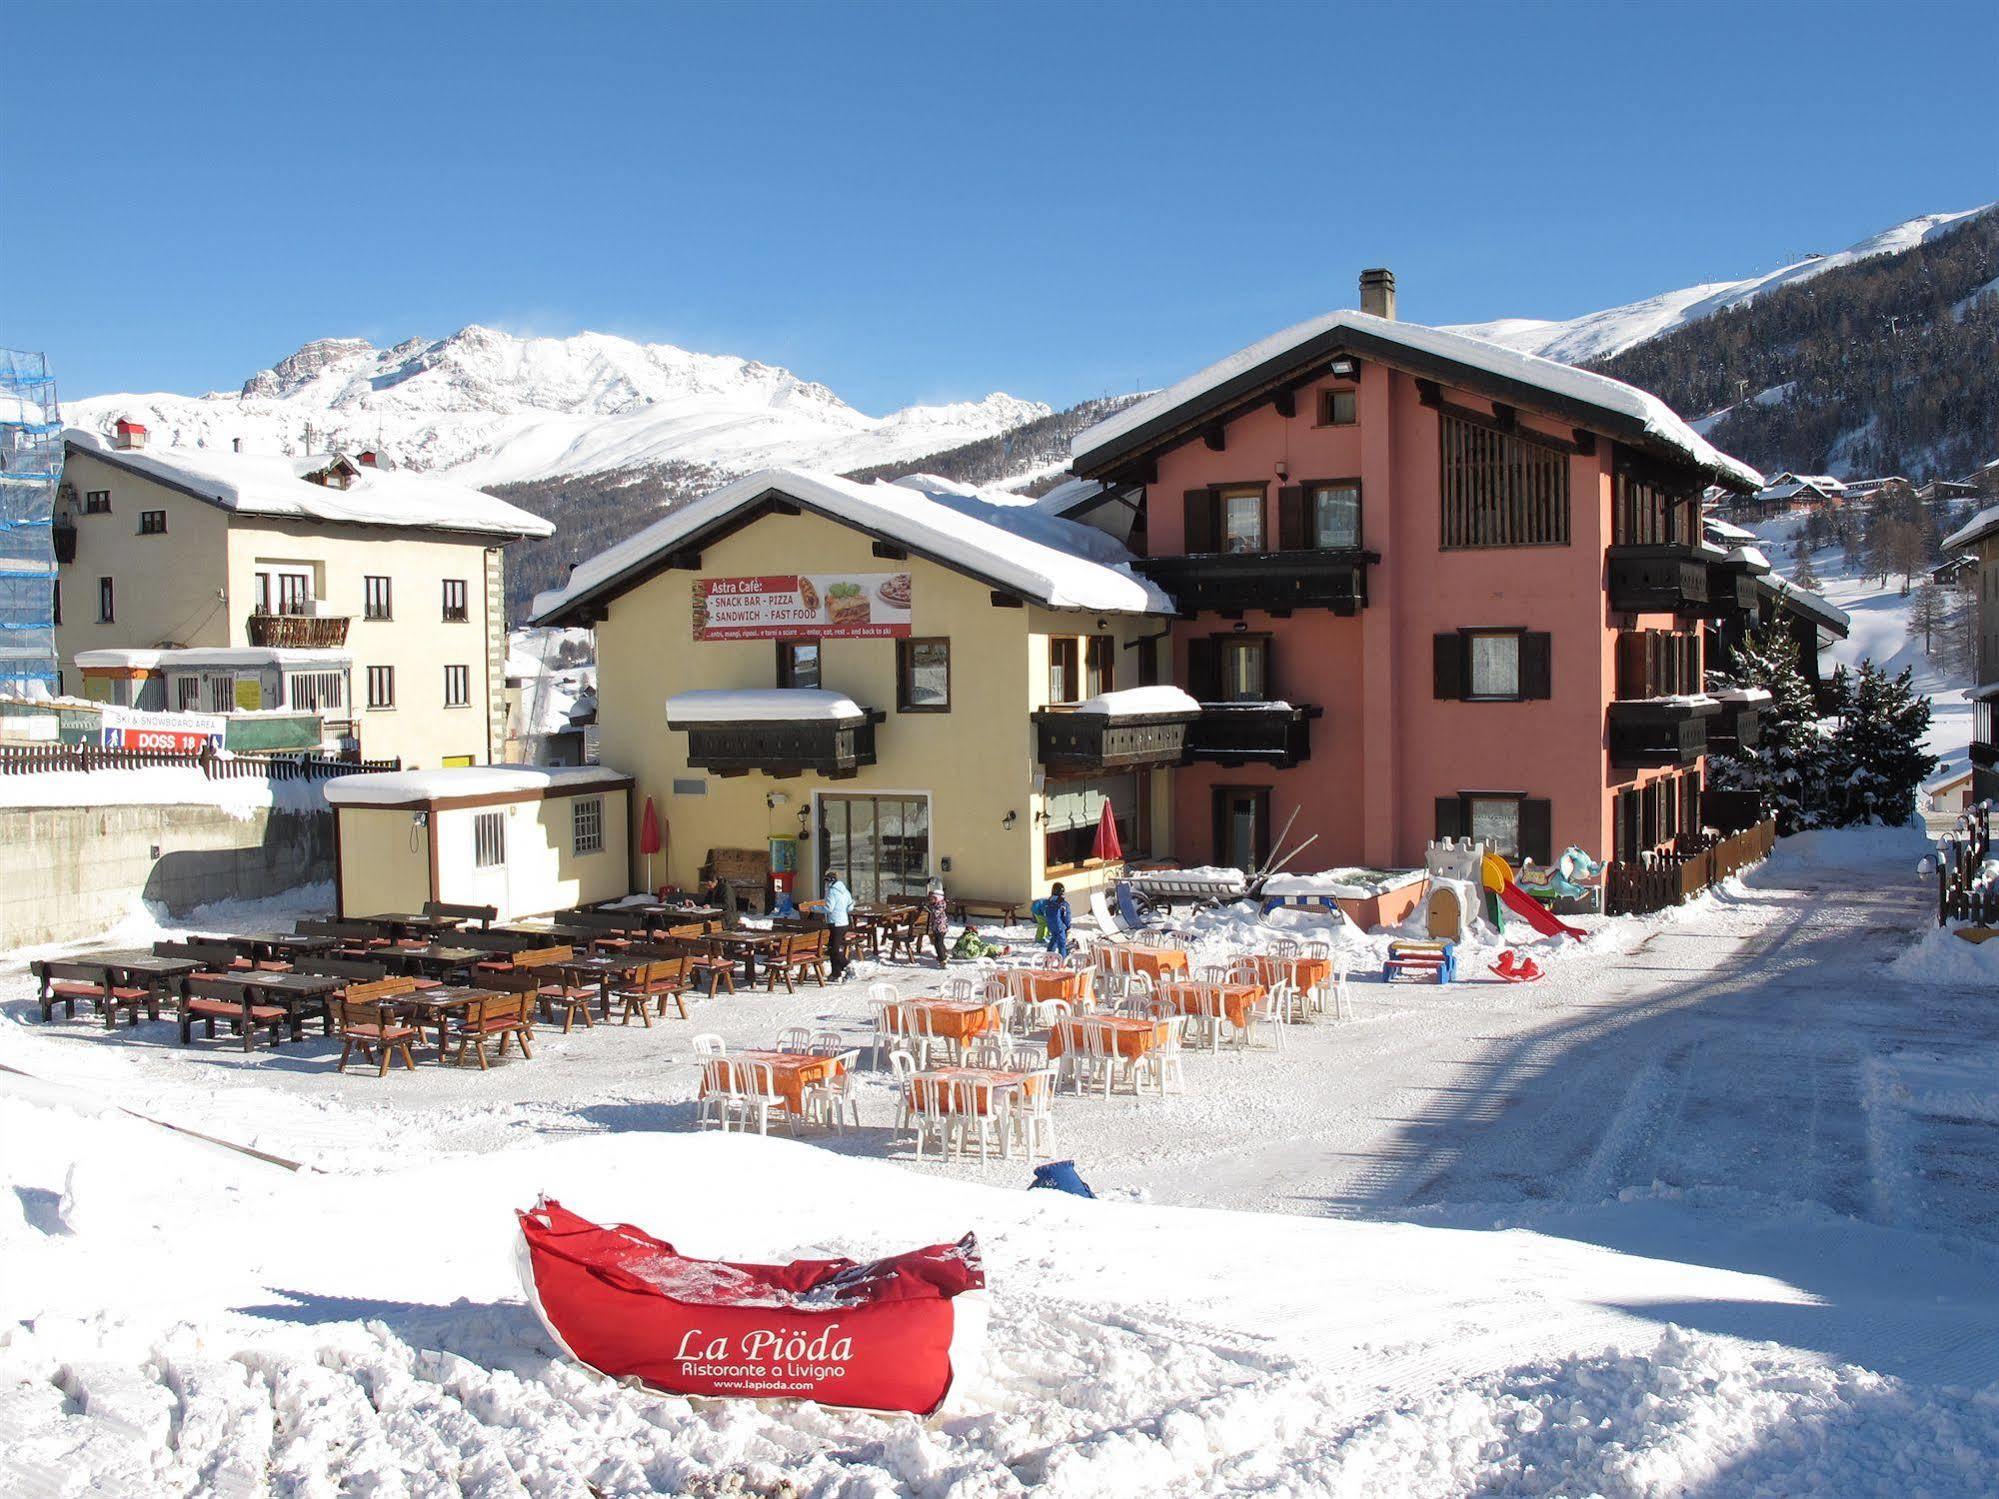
pixel 1291 533
pixel 1450 817
pixel 1537 837
pixel 1536 665
pixel 1448 658
pixel 1262 850
pixel 1631 665
pixel 1204 668
pixel 1201 528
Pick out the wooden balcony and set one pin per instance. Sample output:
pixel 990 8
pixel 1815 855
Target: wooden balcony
pixel 783 748
pixel 63 532
pixel 1656 579
pixel 1737 728
pixel 1654 732
pixel 1071 743
pixel 1276 582
pixel 1275 734
pixel 1731 586
pixel 318 632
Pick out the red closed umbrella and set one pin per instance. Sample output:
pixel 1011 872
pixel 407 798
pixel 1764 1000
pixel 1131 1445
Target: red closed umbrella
pixel 649 839
pixel 1107 846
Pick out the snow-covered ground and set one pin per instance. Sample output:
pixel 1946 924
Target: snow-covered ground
pixel 1709 1210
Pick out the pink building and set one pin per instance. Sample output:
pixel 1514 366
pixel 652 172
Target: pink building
pixel 1428 586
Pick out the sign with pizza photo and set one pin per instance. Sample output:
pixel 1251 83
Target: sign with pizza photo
pixel 812 606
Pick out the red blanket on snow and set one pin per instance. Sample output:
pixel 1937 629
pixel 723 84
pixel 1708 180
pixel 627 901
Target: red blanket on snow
pixel 877 1335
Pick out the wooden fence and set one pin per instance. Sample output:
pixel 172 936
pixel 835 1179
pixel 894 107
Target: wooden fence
pixel 1637 887
pixel 33 759
pixel 1962 893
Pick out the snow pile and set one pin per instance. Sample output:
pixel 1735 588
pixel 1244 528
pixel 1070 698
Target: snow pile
pixel 761 705
pixel 1940 956
pixel 1139 702
pixel 1346 883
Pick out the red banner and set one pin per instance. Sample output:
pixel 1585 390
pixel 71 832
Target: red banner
pixel 804 606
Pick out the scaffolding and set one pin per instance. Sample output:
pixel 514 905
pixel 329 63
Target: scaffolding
pixel 30 469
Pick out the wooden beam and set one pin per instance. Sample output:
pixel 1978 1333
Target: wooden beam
pixel 890 552
pixel 1430 393
pixel 1507 422
pixel 683 561
pixel 1216 437
pixel 1506 418
pixel 1585 441
pixel 1002 600
pixel 781 506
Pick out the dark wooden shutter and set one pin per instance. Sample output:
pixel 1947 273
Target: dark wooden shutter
pixel 1536 665
pixel 1631 665
pixel 1204 668
pixel 1201 527
pixel 1219 847
pixel 1448 664
pixel 1450 817
pixel 1262 850
pixel 1292 535
pixel 1537 830
pixel 1148 662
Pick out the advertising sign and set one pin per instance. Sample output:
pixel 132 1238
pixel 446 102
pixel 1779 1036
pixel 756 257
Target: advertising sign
pixel 822 606
pixel 136 729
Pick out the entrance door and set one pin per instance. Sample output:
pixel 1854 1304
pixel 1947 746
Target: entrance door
pixel 1242 826
pixel 880 843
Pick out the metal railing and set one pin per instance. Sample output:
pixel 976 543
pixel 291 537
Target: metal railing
pixel 34 759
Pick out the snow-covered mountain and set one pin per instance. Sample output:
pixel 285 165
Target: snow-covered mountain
pixel 493 408
pixel 1599 335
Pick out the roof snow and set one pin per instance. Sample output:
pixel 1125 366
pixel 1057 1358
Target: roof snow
pixel 1980 526
pixel 393 788
pixel 275 485
pixel 1002 538
pixel 761 705
pixel 1816 606
pixel 1658 420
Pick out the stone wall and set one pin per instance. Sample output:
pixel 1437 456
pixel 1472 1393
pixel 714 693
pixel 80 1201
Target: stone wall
pixel 68 873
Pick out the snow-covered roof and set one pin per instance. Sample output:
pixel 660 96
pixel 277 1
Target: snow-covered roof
pixel 1383 338
pixel 1741 695
pixel 1001 539
pixel 1139 702
pixel 294 658
pixel 761 705
pixel 396 788
pixel 1721 530
pixel 273 484
pixel 1813 605
pixel 1980 526
pixel 1750 556
pixel 1789 488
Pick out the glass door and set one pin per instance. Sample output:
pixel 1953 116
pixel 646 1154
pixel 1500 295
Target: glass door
pixel 880 843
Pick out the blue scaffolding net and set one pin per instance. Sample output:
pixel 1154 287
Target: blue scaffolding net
pixel 30 469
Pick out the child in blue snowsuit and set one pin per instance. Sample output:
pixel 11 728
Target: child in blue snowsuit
pixel 1057 915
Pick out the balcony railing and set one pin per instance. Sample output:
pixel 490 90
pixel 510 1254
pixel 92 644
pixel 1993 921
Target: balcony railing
pixel 834 748
pixel 1657 579
pixel 1276 734
pixel 1332 578
pixel 1731 586
pixel 1072 743
pixel 1735 729
pixel 64 534
pixel 1653 732
pixel 303 631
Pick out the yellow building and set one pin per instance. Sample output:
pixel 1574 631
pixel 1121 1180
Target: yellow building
pixel 905 682
pixel 525 840
pixel 399 573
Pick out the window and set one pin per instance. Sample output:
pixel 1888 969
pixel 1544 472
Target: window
pixel 1495 665
pixel 798 663
pixel 1241 826
pixel 152 523
pixel 586 824
pixel 106 602
pixel 1099 665
pixel 1645 513
pixel 381 687
pixel 290 589
pixel 187 694
pixel 1063 675
pixel 1500 489
pixel 1338 408
pixel 455 611
pixel 1508 823
pixel 1657 663
pixel 1495 822
pixel 923 676
pixel 375 599
pixel 1074 809
pixel 1229 668
pixel 1242 520
pixel 489 839
pixel 56 602
pixel 97 502
pixel 263 593
pixel 1335 515
pixel 457 686
pixel 316 691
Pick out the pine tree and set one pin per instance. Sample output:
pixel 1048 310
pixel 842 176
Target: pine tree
pixel 1787 769
pixel 1877 757
pixel 1804 574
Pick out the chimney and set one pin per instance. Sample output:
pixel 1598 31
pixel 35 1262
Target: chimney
pixel 128 434
pixel 1377 292
pixel 235 444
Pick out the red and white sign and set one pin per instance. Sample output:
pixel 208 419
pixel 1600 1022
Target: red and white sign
pixel 136 729
pixel 885 1335
pixel 805 606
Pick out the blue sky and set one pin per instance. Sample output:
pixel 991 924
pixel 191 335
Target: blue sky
pixel 916 203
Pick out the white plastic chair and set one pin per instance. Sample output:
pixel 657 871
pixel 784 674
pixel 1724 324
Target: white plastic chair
pixel 833 1101
pixel 959 988
pixel 891 1024
pixel 990 1128
pixel 902 1072
pixel 1034 1114
pixel 708 1044
pixel 756 1097
pixel 1268 1010
pixel 794 1038
pixel 718 1091
pixel 930 1116
pixel 829 1044
pixel 1162 1065
pixel 1341 987
pixel 1090 1059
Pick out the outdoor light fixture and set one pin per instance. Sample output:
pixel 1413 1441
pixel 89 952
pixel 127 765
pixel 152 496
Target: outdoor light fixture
pixel 1283 469
pixel 1343 368
pixel 1242 627
pixel 1010 819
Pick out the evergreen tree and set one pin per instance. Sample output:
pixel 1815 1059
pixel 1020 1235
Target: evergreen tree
pixel 1877 757
pixel 1787 769
pixel 1804 574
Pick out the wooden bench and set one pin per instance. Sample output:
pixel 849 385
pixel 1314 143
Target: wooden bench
pixel 66 983
pixel 444 910
pixel 367 1020
pixel 244 1019
pixel 653 983
pixel 800 953
pixel 506 1015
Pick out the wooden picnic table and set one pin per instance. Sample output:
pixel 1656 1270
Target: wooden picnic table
pixel 437 960
pixel 297 994
pixel 1007 912
pixel 395 925
pixel 743 945
pixel 438 1007
pixel 791 1073
pixel 603 970
pixel 110 972
pixel 1132 1035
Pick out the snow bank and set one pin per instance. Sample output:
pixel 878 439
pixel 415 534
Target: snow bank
pixel 1346 884
pixel 1940 956
pixel 164 785
pixel 761 705
pixel 1137 702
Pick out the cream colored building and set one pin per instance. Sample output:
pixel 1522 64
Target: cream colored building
pixel 1979 538
pixel 525 840
pixel 949 695
pixel 198 548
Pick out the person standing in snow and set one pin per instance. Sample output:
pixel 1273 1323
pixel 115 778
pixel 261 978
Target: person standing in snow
pixel 1057 915
pixel 839 915
pixel 937 918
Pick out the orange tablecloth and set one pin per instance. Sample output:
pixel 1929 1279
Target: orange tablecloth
pixel 953 1019
pixel 1302 973
pixel 791 1073
pixel 930 1089
pixel 1236 999
pixel 1133 1036
pixel 1049 983
pixel 1156 961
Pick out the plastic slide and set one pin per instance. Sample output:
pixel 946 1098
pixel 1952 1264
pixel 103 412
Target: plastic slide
pixel 1536 915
